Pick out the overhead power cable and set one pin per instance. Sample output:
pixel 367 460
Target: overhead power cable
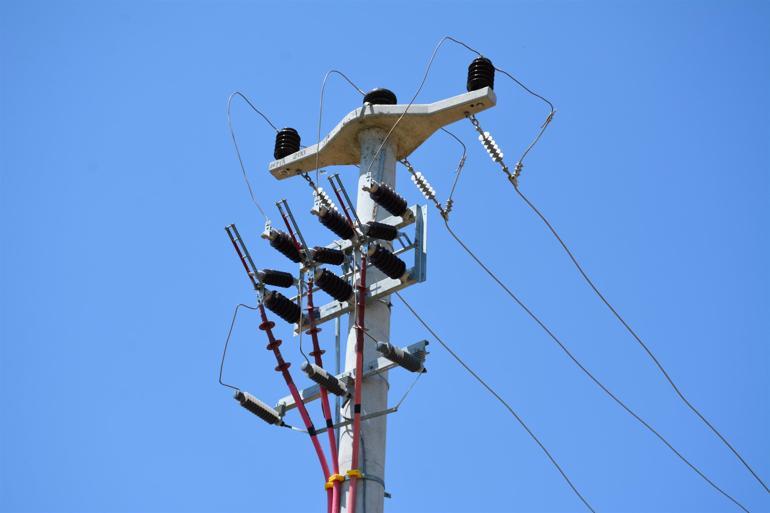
pixel 639 340
pixel 238 150
pixel 321 107
pixel 588 373
pixel 227 342
pixel 498 397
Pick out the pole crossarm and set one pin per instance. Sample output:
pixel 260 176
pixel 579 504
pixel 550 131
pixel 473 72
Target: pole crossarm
pixel 371 368
pixel 419 122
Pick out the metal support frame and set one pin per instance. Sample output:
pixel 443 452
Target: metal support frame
pixel 416 273
pixel 371 368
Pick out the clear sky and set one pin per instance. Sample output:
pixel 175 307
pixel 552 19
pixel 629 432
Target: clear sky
pixel 118 282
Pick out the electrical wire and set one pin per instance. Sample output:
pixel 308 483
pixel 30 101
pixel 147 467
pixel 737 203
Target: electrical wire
pixel 235 143
pixel 499 398
pixel 460 164
pixel 321 108
pixel 585 370
pixel 638 338
pixel 227 341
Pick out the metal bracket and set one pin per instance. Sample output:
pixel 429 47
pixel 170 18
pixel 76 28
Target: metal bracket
pixel 371 368
pixel 386 286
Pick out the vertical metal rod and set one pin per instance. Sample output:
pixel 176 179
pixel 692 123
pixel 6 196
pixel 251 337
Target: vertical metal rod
pixel 337 371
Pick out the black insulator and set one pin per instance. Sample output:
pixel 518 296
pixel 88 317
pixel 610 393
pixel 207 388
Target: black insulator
pixel 282 306
pixel 334 221
pixel 481 73
pixel 333 285
pixel 258 408
pixel 386 261
pixel 377 230
pixel 380 96
pixel 327 255
pixel 407 360
pixel 387 198
pixel 277 278
pixel 326 380
pixel 283 242
pixel 286 142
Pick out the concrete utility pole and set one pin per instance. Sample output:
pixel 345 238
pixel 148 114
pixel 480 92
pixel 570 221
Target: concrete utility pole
pixel 398 130
pixel 375 388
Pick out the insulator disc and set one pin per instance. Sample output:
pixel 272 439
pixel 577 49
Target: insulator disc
pixel 284 243
pixel 334 221
pixel 380 96
pixel 387 198
pixel 282 306
pixel 287 141
pixel 327 256
pixel 481 73
pixel 386 261
pixel 377 230
pixel 257 407
pixel 276 278
pixel 333 285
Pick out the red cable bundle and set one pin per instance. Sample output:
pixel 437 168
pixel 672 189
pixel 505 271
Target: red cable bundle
pixel 283 367
pixel 316 353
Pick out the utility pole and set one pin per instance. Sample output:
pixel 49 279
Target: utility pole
pixel 375 388
pixel 375 137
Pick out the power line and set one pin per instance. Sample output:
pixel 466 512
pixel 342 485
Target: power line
pixel 235 142
pixel 227 341
pixel 638 339
pixel 321 106
pixel 585 370
pixel 499 398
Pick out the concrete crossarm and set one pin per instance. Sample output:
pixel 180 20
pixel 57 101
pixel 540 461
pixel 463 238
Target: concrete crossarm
pixel 341 146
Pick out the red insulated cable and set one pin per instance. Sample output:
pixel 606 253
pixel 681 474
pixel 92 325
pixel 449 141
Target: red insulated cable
pixel 283 367
pixel 351 506
pixel 316 354
pixel 344 207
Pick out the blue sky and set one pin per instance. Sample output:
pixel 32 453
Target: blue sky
pixel 118 281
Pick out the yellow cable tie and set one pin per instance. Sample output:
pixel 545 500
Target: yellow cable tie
pixel 332 478
pixel 354 472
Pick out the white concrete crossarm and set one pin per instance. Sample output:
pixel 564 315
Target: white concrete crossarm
pixel 341 146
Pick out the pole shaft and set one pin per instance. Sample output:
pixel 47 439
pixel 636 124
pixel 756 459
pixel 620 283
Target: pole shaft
pixel 374 396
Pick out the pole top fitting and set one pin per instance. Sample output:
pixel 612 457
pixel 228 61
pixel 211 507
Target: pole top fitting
pixel 380 96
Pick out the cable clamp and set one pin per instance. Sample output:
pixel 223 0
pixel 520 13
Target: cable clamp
pixel 354 472
pixel 332 479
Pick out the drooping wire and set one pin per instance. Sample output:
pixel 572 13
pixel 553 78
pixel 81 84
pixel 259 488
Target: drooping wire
pixel 586 371
pixel 499 398
pixel 227 341
pixel 321 108
pixel 644 346
pixel 235 143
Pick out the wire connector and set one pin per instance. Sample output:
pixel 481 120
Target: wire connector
pixel 334 478
pixel 354 472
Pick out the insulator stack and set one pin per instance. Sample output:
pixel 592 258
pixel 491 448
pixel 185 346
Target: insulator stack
pixel 425 188
pixel 287 141
pixel 400 357
pixel 283 242
pixel 333 285
pixel 491 146
pixel 258 408
pixel 326 380
pixel 387 198
pixel 381 231
pixel 386 261
pixel 334 221
pixel 327 256
pixel 276 278
pixel 481 73
pixel 380 96
pixel 282 306
pixel 322 199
